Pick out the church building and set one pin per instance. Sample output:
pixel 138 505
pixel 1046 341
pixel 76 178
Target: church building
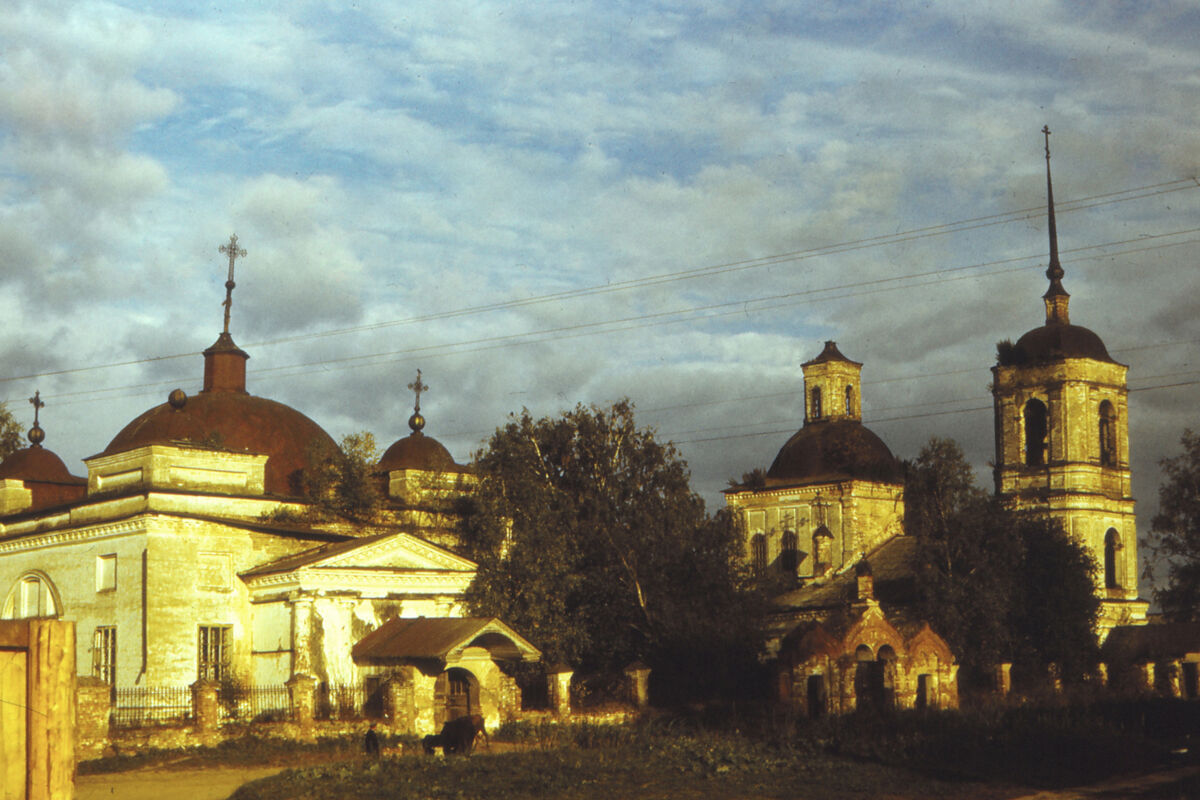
pixel 189 552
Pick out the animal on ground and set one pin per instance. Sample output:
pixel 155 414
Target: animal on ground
pixel 457 736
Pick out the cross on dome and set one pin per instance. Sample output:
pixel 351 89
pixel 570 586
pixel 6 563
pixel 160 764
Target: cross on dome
pixel 416 422
pixel 36 434
pixel 234 252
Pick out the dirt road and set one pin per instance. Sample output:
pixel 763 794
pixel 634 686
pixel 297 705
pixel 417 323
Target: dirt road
pixel 156 784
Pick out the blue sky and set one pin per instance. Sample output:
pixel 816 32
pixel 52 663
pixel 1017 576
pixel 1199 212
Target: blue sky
pixel 553 203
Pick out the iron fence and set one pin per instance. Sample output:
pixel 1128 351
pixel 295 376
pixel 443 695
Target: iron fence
pixel 340 701
pixel 267 703
pixel 138 706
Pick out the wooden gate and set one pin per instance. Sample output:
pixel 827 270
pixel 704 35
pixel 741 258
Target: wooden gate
pixel 37 709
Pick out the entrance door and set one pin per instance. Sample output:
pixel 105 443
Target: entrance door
pixel 817 697
pixel 456 695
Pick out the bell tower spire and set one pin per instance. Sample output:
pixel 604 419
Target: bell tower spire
pixel 1056 297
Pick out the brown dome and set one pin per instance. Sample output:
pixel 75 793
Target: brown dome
pixel 1056 341
pixel 833 450
pixel 37 464
pixel 226 420
pixel 418 451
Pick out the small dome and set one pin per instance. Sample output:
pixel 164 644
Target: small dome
pixel 1055 341
pixel 418 451
pixel 235 422
pixel 832 450
pixel 37 464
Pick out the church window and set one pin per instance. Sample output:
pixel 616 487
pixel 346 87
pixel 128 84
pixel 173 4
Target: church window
pixel 758 552
pixel 849 400
pixel 788 560
pixel 1035 433
pixel 816 402
pixel 822 550
pixel 1112 552
pixel 1108 435
pixel 104 654
pixel 106 573
pixel 213 653
pixel 32 596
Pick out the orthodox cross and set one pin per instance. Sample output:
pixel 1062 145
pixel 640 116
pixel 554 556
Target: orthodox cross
pixel 234 252
pixel 38 404
pixel 418 387
pixel 821 506
pixel 36 434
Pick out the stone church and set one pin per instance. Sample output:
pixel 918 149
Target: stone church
pixel 186 553
pixel 828 514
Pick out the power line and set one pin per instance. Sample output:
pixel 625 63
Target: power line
pixel 1092 201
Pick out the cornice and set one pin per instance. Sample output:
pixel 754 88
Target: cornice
pixel 81 534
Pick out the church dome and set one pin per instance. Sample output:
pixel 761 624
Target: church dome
pixel 224 417
pixel 1056 341
pixel 833 450
pixel 418 451
pixel 37 464
pixel 238 423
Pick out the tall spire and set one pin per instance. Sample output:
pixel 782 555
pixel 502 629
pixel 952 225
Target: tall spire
pixel 1056 297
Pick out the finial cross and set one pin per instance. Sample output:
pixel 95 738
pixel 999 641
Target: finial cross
pixel 1046 131
pixel 38 404
pixel 418 387
pixel 234 252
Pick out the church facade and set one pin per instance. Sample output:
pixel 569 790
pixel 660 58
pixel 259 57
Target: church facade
pixel 189 553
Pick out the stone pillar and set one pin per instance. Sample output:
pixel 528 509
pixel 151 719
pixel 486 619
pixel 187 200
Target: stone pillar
pixel 301 688
pixel 558 684
pixel 1002 677
pixel 510 698
pixel 1145 674
pixel 93 710
pixel 302 611
pixel 638 675
pixel 398 703
pixel 206 710
pixel 1174 686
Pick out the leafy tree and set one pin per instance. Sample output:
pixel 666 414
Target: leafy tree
pixel 998 585
pixel 590 540
pixel 1175 531
pixel 342 483
pixel 11 435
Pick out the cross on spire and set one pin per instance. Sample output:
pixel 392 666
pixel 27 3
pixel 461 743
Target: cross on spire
pixel 234 252
pixel 418 387
pixel 36 434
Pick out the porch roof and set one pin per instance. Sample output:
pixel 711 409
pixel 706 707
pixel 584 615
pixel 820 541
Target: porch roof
pixel 408 640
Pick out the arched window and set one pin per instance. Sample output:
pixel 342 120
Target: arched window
pixel 816 402
pixel 1035 433
pixel 33 595
pixel 1108 435
pixel 758 552
pixel 822 550
pixel 788 557
pixel 849 400
pixel 1112 553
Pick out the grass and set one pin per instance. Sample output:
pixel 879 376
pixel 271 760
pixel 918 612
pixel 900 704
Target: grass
pixel 987 753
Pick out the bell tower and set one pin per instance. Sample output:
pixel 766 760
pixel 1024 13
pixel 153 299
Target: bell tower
pixel 1062 439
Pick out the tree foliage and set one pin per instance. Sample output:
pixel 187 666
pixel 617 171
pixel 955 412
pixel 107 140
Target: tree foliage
pixel 1175 531
pixel 11 435
pixel 342 483
pixel 998 585
pixel 591 542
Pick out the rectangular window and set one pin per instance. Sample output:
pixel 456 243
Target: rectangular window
pixel 106 573
pixel 213 652
pixel 104 654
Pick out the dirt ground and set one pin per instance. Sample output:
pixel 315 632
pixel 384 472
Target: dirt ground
pixel 216 783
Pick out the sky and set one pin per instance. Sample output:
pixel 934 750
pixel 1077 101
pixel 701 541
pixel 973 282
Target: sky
pixel 546 204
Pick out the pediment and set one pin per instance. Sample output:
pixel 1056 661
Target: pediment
pixel 394 552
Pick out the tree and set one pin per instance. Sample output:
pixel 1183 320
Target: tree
pixel 1175 531
pixel 998 585
pixel 341 483
pixel 11 435
pixel 590 540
